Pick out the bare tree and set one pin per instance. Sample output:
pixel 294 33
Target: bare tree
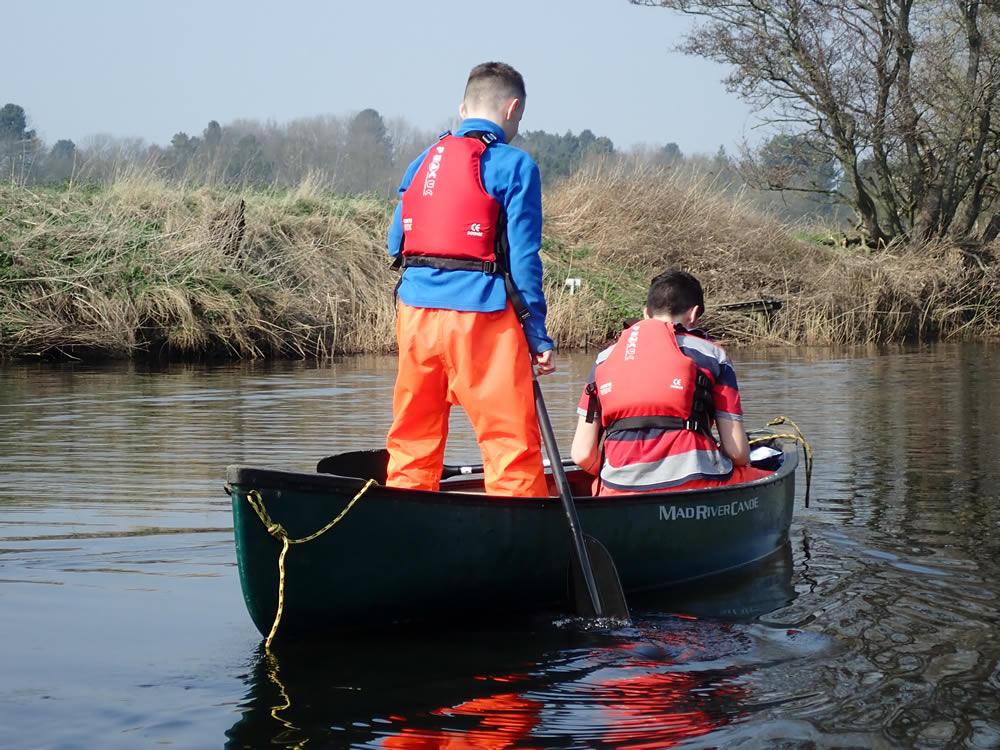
pixel 18 146
pixel 407 143
pixel 103 156
pixel 368 149
pixel 902 93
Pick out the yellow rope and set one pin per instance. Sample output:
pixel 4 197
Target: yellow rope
pixel 272 675
pixel 799 438
pixel 278 532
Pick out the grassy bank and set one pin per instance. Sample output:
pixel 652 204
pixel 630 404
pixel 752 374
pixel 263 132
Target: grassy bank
pixel 145 267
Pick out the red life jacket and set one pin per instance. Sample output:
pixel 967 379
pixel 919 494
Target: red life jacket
pixel 447 213
pixel 647 381
pixel 450 221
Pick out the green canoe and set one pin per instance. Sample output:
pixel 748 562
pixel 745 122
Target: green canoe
pixel 400 555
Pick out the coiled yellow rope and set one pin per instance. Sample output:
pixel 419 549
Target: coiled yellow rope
pixel 799 438
pixel 278 532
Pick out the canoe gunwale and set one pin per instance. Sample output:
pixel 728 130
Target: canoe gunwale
pixel 249 477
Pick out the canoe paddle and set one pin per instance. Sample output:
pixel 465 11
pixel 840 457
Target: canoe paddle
pixel 596 586
pixel 372 464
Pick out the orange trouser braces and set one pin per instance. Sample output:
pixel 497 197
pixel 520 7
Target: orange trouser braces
pixel 479 361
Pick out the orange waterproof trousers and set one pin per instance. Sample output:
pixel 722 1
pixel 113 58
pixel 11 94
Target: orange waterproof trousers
pixel 479 361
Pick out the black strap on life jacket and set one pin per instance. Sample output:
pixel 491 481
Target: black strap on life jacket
pixel 647 422
pixel 449 264
pixel 500 266
pixel 703 408
pixel 592 402
pixel 484 135
pixel 502 253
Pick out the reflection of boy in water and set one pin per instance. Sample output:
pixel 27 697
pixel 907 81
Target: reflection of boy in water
pixel 653 709
pixel 505 722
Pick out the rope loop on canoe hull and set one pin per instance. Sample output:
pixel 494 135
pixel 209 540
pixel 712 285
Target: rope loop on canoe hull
pixel 798 438
pixel 278 532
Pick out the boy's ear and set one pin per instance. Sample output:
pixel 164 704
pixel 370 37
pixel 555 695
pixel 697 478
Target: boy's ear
pixel 462 110
pixel 645 313
pixel 512 106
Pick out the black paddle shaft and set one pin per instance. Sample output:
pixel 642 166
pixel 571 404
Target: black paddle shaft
pixel 581 558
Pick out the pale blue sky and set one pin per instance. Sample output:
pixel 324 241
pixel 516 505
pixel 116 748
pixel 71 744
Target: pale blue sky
pixel 150 68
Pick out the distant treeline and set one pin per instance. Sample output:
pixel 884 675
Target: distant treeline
pixel 361 154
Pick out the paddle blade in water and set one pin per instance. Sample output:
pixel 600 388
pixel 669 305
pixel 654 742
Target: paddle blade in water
pixel 609 587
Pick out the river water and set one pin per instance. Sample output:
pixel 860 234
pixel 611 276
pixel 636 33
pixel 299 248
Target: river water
pixel 122 624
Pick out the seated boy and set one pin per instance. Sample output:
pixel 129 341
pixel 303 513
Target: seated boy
pixel 655 394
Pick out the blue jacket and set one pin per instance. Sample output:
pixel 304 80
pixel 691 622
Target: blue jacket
pixel 510 176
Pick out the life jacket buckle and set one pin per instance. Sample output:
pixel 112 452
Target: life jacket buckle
pixel 691 424
pixel 490 267
pixel 592 402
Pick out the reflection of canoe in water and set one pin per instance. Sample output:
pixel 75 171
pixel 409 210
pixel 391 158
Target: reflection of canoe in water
pixel 531 688
pixel 741 595
pixel 505 684
pixel 404 554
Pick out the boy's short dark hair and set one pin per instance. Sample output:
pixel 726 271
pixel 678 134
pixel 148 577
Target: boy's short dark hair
pixel 494 81
pixel 674 292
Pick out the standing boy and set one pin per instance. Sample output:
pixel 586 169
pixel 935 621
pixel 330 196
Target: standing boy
pixel 656 393
pixel 467 232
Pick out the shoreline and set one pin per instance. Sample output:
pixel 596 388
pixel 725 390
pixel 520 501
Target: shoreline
pixel 144 269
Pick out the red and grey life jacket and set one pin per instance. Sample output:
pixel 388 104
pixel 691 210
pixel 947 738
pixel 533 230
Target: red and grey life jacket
pixel 648 382
pixel 449 220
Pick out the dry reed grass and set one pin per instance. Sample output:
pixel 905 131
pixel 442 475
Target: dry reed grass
pixel 143 266
pixel 616 229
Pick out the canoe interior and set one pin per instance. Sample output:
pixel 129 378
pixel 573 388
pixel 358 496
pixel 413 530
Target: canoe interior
pixel 400 555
